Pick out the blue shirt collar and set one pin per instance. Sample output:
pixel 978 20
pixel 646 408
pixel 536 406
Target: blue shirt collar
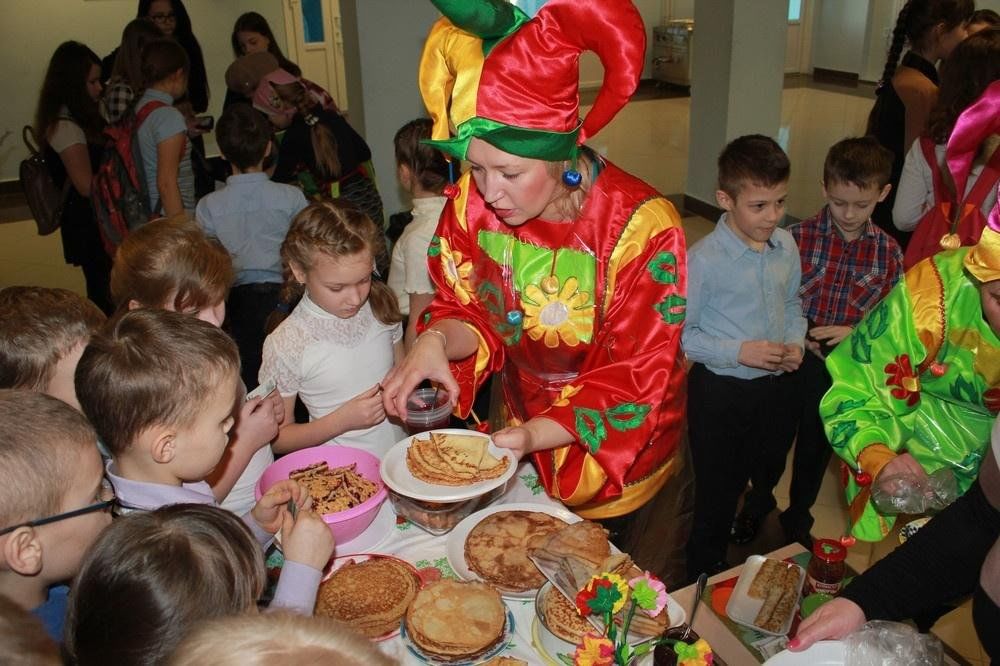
pixel 734 245
pixel 253 177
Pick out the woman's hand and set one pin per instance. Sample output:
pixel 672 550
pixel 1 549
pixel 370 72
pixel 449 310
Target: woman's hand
pixel 426 360
pixel 538 434
pixel 833 620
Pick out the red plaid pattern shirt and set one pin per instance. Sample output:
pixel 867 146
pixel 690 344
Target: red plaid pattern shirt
pixel 842 280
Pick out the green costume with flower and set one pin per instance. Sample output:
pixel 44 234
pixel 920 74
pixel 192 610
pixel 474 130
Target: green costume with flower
pixel 920 374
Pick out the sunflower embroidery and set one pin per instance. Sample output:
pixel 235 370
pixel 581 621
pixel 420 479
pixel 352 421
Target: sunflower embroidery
pixel 557 313
pixel 901 375
pixel 456 272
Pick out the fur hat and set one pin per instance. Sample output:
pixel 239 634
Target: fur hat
pixel 244 75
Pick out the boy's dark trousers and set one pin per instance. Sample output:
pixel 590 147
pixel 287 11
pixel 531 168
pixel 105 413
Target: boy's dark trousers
pixel 812 449
pixel 733 424
pixel 247 310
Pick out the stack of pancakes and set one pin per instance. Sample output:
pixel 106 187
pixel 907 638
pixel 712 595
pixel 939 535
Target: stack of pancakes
pixel 452 621
pixel 497 548
pixel 562 618
pixel 453 460
pixel 371 596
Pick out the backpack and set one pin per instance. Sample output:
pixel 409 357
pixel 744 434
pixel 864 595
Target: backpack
pixel 45 199
pixel 120 193
pixel 948 225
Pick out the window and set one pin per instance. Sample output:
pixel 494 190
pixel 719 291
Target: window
pixel 312 21
pixel 794 11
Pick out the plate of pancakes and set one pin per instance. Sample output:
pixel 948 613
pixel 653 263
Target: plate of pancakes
pixel 368 592
pixel 447 465
pixel 458 623
pixel 492 545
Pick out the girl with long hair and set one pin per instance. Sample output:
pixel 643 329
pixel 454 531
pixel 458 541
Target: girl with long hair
pixel 342 337
pixel 69 128
pixel 125 80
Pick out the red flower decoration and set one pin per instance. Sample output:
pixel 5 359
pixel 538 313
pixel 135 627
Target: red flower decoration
pixel 991 398
pixel 901 376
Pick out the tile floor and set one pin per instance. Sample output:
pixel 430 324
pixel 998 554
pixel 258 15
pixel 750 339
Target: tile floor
pixel 649 139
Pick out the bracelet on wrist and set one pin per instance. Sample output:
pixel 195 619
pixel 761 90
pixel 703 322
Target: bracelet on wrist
pixel 434 331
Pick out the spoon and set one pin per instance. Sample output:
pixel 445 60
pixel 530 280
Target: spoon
pixel 699 589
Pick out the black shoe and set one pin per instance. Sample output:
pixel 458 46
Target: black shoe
pixel 744 529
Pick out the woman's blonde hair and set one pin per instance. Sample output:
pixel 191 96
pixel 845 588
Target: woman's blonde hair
pixel 324 142
pixel 171 259
pixel 276 638
pixel 337 229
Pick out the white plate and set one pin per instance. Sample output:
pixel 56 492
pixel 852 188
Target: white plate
pixel 508 632
pixel 823 653
pixel 340 561
pixel 455 548
pixel 743 608
pixel 369 540
pixel 397 475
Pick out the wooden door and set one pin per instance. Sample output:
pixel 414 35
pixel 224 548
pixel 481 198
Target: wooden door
pixel 315 43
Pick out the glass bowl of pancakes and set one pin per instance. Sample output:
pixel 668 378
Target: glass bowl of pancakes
pixel 440 517
pixel 344 483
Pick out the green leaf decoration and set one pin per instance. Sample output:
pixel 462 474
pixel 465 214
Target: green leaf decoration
pixel 861 350
pixel 663 268
pixel 434 249
pixel 672 309
pixel 590 428
pixel 845 406
pixel 427 317
pixel 604 598
pixel 491 297
pixel 877 321
pixel 964 390
pixel 842 432
pixel 626 416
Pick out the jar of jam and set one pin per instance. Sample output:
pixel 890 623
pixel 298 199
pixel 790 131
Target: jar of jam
pixel 827 567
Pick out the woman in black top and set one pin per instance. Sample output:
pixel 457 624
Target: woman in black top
pixel 906 94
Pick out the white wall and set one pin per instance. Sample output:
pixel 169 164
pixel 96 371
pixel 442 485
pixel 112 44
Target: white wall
pixel 32 29
pixel 591 70
pixel 838 42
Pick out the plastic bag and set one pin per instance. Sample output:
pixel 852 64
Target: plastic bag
pixel 880 643
pixel 908 493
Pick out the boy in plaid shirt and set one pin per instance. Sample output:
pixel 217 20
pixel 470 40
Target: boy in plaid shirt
pixel 848 265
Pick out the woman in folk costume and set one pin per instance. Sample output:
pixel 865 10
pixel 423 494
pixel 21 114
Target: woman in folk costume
pixel 554 268
pixel 916 386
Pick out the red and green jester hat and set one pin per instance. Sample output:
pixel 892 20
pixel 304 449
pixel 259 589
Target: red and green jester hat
pixel 580 318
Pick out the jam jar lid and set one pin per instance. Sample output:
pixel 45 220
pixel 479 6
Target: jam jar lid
pixel 830 550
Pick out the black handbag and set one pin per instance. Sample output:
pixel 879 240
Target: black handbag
pixel 44 198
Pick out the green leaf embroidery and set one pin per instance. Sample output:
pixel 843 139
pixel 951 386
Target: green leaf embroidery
pixel 842 433
pixel 442 565
pixel 434 249
pixel 532 482
pixel 590 428
pixel 964 390
pixel 626 416
pixel 845 406
pixel 877 321
pixel 663 267
pixel 672 309
pixel 861 350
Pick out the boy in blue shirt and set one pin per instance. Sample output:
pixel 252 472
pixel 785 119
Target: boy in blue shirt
pixel 250 217
pixel 54 501
pixel 744 330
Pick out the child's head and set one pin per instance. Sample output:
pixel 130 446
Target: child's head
pixel 982 19
pixel 855 177
pixel 970 70
pixel 281 637
pixel 753 184
pixel 49 465
pixel 330 252
pixel 128 63
pixel 244 137
pixel 165 63
pixel 160 387
pixel 43 334
pixel 172 265
pixel 252 34
pixel 152 576
pixel 286 97
pixel 934 27
pixel 25 642
pixel 421 168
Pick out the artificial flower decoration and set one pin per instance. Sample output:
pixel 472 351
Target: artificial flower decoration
pixel 901 376
pixel 456 272
pixel 594 651
pixel 557 313
pixel 607 594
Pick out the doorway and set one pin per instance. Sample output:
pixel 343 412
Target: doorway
pixel 316 44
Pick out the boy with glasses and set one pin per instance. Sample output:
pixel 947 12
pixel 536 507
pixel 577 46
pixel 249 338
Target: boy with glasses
pixel 54 501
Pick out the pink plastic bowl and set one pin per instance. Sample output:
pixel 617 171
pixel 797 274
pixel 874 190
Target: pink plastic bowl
pixel 345 525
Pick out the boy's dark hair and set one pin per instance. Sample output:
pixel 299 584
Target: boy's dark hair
pixel 153 576
pixel 151 368
pixel 160 59
pixel 41 438
pixel 243 134
pixel 987 16
pixel 862 161
pixel 755 159
pixel 40 326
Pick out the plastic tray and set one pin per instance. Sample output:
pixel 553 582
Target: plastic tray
pixel 743 609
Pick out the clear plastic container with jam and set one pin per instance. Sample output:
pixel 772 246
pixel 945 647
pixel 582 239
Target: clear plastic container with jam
pixel 827 567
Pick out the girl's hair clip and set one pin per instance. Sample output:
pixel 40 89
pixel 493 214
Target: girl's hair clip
pixel 311 120
pixel 283 307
